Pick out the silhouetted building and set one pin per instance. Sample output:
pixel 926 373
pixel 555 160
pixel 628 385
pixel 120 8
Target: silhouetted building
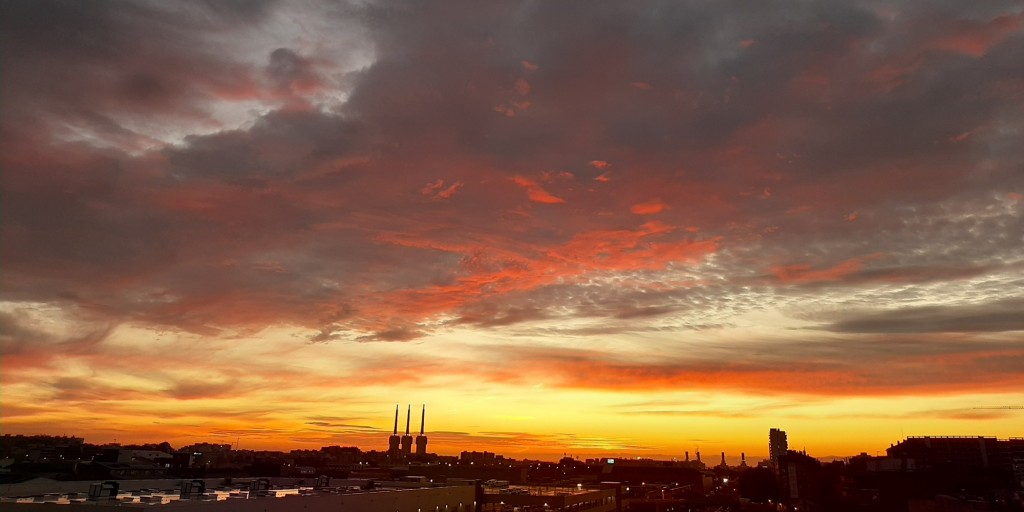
pixel 1003 459
pixel 485 458
pixel 275 495
pixel 964 453
pixel 778 444
pixel 421 440
pixel 1015 452
pixel 797 474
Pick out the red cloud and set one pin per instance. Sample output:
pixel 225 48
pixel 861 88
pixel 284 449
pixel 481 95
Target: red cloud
pixel 552 176
pixel 599 164
pixel 649 208
pixel 522 87
pixel 960 137
pixel 976 38
pixel 955 368
pixel 803 273
pixel 535 192
pixel 505 271
pixel 430 188
pixel 505 109
pixel 450 191
pixel 437 190
pixel 794 377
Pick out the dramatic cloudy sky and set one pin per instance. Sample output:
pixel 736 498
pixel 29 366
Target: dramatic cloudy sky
pixel 603 228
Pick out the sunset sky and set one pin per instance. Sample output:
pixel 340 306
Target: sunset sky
pixel 600 228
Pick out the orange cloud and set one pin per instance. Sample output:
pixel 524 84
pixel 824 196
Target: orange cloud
pixel 450 191
pixel 649 208
pixel 535 192
pixel 430 188
pixel 803 378
pixel 437 189
pixel 504 271
pixel 599 164
pixel 550 176
pixel 828 372
pixel 803 273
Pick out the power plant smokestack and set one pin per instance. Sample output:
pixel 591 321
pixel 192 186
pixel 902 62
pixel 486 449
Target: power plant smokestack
pixel 407 439
pixel 421 440
pixel 394 440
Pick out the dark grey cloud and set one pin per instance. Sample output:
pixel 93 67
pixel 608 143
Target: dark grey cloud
pixel 396 334
pixel 204 389
pixel 287 67
pixel 102 70
pixel 362 428
pixel 999 316
pixel 491 315
pixel 285 144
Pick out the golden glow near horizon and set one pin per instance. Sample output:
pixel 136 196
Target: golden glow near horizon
pixel 629 231
pixel 285 393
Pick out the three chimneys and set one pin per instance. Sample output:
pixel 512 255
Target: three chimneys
pixel 400 447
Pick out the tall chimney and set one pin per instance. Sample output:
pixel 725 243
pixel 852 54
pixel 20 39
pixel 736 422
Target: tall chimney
pixel 421 440
pixel 394 440
pixel 407 439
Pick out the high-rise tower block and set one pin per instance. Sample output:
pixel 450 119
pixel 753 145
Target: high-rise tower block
pixel 777 444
